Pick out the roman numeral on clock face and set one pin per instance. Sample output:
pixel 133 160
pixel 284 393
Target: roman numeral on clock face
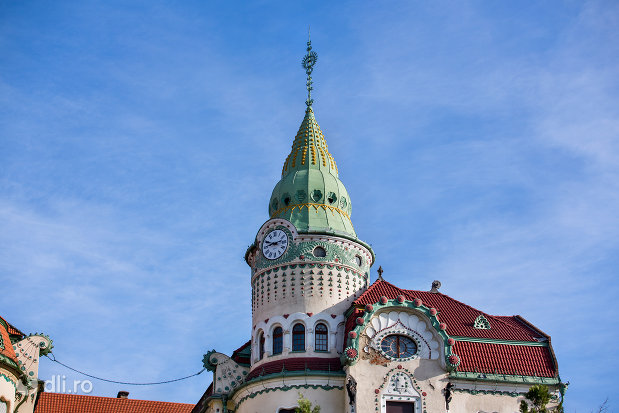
pixel 275 244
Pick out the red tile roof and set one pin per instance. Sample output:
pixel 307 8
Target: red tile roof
pixel 505 359
pixel 77 403
pixel 483 357
pixel 14 331
pixel 7 348
pixel 458 316
pixel 296 364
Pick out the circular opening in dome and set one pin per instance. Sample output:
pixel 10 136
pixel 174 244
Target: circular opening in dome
pixel 274 203
pixel 320 252
pixel 286 199
pixel 332 198
pixel 358 260
pixel 316 195
pixel 343 202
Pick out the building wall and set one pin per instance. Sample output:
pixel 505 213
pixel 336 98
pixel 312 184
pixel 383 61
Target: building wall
pixel 269 396
pixel 335 327
pixel 8 381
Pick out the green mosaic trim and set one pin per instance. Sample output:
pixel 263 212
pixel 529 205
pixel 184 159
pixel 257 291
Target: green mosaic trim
pixel 207 363
pixel 503 378
pixel 356 240
pixel 44 348
pixel 506 342
pixel 287 388
pixel 305 248
pixel 354 341
pixel 1 342
pixel 493 392
pixel 8 379
pixel 498 392
pixel 422 394
pixel 8 361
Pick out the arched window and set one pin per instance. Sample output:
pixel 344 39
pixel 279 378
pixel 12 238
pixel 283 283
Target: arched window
pixel 321 337
pixel 298 337
pixel 261 345
pixel 278 336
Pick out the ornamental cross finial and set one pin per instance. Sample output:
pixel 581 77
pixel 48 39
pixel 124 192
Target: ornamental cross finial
pixel 308 62
pixel 380 272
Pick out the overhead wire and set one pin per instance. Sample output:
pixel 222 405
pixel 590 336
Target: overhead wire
pixel 53 358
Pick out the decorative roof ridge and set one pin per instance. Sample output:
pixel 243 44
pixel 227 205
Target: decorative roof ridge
pixel 413 292
pixel 90 397
pixel 11 328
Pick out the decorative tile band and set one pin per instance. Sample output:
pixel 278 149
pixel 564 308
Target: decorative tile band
pixel 309 206
pixel 504 378
pixel 287 388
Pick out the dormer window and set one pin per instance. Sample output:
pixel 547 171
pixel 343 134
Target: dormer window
pixel 481 323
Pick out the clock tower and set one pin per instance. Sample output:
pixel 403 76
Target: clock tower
pixel 320 331
pixel 307 264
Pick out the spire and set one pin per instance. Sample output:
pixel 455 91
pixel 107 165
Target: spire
pixel 309 148
pixel 310 193
pixel 308 62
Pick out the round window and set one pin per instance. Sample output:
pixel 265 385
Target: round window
pixel 397 346
pixel 320 252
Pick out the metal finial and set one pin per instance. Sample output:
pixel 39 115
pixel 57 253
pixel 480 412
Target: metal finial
pixel 308 62
pixel 380 272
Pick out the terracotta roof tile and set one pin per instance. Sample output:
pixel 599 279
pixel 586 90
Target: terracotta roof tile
pixel 505 359
pixel 458 316
pixel 7 348
pixel 14 331
pixel 77 403
pixel 529 360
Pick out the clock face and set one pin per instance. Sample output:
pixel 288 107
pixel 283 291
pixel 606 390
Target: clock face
pixel 274 244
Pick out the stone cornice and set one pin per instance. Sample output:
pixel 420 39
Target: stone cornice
pixel 503 378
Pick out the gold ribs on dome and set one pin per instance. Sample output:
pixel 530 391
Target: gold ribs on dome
pixel 309 138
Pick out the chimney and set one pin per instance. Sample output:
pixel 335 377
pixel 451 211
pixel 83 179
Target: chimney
pixel 123 395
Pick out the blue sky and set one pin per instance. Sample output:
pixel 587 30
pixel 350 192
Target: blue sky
pixel 140 142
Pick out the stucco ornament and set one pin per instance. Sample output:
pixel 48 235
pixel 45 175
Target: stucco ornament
pixel 400 388
pixel 28 351
pixel 406 324
pixel 227 374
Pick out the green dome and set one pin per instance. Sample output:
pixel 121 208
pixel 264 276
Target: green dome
pixel 310 194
